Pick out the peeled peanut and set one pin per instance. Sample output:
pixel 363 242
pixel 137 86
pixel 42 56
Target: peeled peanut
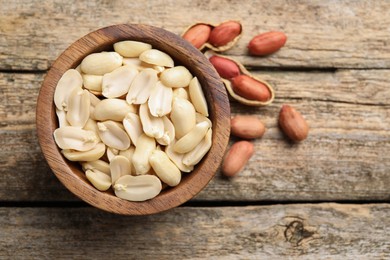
pixel 78 107
pixel 137 188
pixel 182 116
pixel 193 157
pixel 145 146
pixel 142 86
pixel 156 57
pixel 117 82
pixel 119 166
pixel 111 153
pixel 93 82
pixel 237 157
pixel 101 63
pixel 133 127
pixel 165 169
pixel 192 138
pixel 69 81
pixel 113 135
pixel 99 180
pixel 247 127
pixel 169 132
pixel 91 125
pixel 197 97
pixel 75 138
pixel 201 118
pixel 250 88
pixel 131 49
pixel 61 114
pixel 99 165
pixel 177 158
pixel 91 155
pixel 152 126
pixel 160 100
pixel 181 93
pixel 176 77
pixel 113 109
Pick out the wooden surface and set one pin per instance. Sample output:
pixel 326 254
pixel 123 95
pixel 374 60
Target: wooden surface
pixel 334 69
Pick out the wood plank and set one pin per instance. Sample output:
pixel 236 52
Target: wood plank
pixel 325 34
pixel 322 231
pixel 345 158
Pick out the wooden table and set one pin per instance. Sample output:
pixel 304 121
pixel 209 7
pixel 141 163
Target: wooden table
pixel 325 198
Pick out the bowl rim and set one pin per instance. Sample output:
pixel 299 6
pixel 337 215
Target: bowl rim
pixel 215 93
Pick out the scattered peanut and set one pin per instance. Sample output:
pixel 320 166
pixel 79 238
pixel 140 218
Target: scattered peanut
pixel 293 124
pixel 237 157
pixel 247 127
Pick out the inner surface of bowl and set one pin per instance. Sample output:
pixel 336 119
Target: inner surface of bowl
pixel 71 175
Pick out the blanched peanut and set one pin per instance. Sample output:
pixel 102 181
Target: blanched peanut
pixel 119 166
pixel 93 82
pixel 117 82
pixel 192 138
pixel 177 158
pixel 142 86
pixel 160 100
pixel 183 116
pixel 133 127
pixel 75 138
pixel 91 155
pixel 69 81
pixel 145 146
pixel 176 77
pixel 99 165
pixel 197 97
pixel 193 157
pixel 156 57
pixel 169 132
pixel 113 109
pixel 137 188
pixel 165 169
pixel 101 63
pixel 152 126
pixel 113 135
pixel 131 49
pixel 78 108
pixel 99 180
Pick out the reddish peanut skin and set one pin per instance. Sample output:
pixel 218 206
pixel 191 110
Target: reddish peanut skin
pixel 247 127
pixel 224 33
pixel 226 68
pixel 250 88
pixel 293 124
pixel 198 35
pixel 266 43
pixel 237 157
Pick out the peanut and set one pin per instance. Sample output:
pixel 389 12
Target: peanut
pixel 226 68
pixel 198 35
pixel 237 157
pixel 267 43
pixel 293 124
pixel 250 88
pixel 224 33
pixel 247 127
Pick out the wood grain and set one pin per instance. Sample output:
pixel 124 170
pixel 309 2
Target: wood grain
pixel 323 231
pixel 345 158
pixel 325 34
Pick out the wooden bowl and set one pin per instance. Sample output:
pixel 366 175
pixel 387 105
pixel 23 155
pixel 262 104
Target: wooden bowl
pixel 70 173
